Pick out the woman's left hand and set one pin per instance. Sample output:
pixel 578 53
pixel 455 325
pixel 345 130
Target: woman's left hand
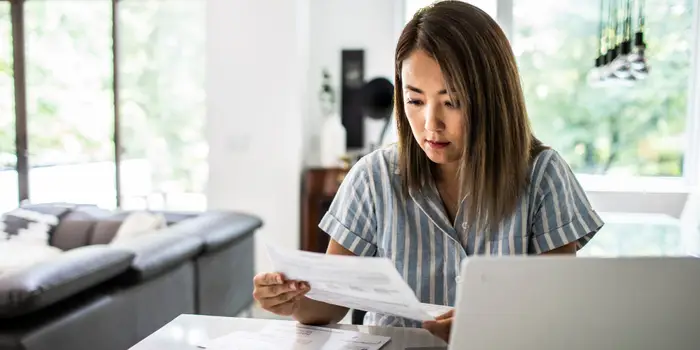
pixel 441 326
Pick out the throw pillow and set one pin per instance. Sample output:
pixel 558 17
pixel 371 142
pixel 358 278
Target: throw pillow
pixel 137 224
pixel 28 226
pixel 76 227
pixel 16 255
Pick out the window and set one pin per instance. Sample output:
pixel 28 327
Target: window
pixel 115 110
pixel 162 106
pixel 69 101
pixel 636 130
pixel 8 157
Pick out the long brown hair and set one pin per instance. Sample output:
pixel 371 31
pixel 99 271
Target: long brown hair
pixel 481 72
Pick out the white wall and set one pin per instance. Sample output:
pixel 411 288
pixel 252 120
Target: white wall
pixel 349 24
pixel 264 65
pixel 256 87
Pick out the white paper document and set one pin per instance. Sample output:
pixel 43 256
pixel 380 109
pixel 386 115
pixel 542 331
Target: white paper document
pixel 435 310
pixel 283 335
pixel 369 284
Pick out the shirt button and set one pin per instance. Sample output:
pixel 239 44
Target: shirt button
pixel 458 279
pixel 464 225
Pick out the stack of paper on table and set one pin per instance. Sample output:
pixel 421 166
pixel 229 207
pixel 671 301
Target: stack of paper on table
pixel 281 335
pixel 363 283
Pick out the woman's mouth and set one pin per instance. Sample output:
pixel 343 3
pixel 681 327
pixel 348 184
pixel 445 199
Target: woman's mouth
pixel 437 144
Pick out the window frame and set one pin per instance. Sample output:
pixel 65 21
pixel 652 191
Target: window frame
pixel 638 194
pixel 20 91
pixel 691 165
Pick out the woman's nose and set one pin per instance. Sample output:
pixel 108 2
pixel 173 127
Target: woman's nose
pixel 433 119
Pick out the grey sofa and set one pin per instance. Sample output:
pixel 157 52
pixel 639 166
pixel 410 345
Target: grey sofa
pixel 101 296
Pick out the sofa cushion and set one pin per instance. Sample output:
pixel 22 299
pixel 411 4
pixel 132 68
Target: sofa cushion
pixel 76 227
pixel 28 225
pixel 56 209
pixel 16 255
pixel 139 223
pixel 67 274
pixel 72 233
pixel 104 230
pixel 158 253
pixel 107 228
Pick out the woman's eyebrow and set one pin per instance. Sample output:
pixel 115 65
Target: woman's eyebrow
pixel 415 89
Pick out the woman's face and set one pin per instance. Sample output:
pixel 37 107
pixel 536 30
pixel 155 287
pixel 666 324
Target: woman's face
pixel 436 120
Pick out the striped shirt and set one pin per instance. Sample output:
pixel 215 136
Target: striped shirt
pixel 370 216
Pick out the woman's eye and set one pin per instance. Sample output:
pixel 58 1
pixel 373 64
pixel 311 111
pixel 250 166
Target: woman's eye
pixel 414 102
pixel 449 104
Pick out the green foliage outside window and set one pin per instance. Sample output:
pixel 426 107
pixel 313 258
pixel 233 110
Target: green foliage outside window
pixel 637 130
pixel 69 86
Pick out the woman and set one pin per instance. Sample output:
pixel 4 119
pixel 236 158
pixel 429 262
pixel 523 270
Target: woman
pixel 467 176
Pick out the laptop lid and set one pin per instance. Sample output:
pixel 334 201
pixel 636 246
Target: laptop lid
pixel 563 302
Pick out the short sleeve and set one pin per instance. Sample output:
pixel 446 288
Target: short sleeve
pixel 563 213
pixel 350 219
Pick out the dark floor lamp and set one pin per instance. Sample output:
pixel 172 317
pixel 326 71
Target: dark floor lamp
pixel 378 103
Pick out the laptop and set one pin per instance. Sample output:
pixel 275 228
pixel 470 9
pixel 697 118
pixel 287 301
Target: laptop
pixel 562 302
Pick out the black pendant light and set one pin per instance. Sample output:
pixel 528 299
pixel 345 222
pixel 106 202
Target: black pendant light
pixel 611 54
pixel 595 76
pixel 624 49
pixel 620 59
pixel 637 58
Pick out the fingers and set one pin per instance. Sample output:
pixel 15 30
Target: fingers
pixel 433 325
pixel 430 326
pixel 282 298
pixel 439 328
pixel 288 307
pixel 277 294
pixel 273 295
pixel 268 285
pixel 268 279
pixel 279 289
pixel 446 315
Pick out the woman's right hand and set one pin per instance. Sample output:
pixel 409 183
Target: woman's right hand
pixel 278 295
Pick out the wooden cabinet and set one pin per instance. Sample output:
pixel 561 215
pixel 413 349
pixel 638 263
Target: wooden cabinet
pixel 318 188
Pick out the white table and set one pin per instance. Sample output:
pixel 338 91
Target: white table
pixel 186 331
